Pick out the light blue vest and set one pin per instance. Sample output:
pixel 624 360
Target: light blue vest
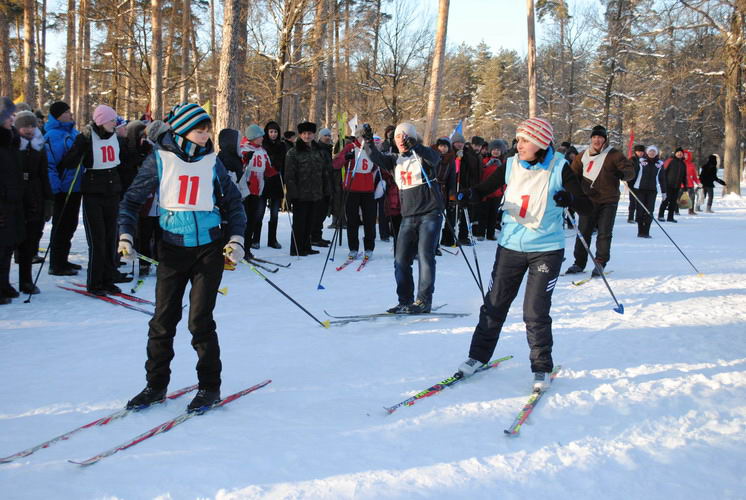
pixel 549 235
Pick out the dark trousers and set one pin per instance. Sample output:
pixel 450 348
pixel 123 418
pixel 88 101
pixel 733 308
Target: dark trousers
pixel 365 203
pixel 384 231
pixel 303 219
pixel 632 204
pixel 669 203
pixel 254 207
pixel 100 212
pixel 63 228
pixel 321 210
pixel 507 275
pixel 708 193
pixel 202 267
pixel 602 218
pixel 28 249
pixel 395 221
pixel 418 235
pixel 486 212
pixel 463 226
pixel 6 253
pixel 148 237
pixel 644 219
pixel 448 238
pixel 274 210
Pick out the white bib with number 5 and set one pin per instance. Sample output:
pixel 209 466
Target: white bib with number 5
pixel 526 194
pixel 186 185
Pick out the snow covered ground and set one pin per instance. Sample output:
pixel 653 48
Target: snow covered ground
pixel 650 404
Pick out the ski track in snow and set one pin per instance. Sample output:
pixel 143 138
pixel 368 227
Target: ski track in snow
pixel 650 404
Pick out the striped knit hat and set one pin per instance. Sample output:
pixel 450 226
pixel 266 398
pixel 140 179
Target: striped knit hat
pixel 185 116
pixel 537 131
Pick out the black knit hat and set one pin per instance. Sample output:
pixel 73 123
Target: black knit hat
pixel 306 127
pixel 443 141
pixel 288 134
pixel 599 130
pixel 679 149
pixel 57 108
pixel 639 147
pixel 477 141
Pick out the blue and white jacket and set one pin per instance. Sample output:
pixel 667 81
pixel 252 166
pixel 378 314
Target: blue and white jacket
pixel 549 235
pixel 185 228
pixel 59 138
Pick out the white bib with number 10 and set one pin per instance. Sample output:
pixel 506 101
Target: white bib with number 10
pixel 184 185
pixel 526 194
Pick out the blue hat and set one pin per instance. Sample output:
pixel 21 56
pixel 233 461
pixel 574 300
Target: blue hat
pixel 253 131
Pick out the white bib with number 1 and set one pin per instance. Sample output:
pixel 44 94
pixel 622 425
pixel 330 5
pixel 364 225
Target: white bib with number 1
pixel 186 186
pixel 526 194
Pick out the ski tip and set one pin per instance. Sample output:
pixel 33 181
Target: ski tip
pixel 619 309
pixel 327 323
pixel 223 291
pixel 509 433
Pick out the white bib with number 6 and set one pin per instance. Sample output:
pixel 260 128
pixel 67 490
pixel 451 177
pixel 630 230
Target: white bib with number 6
pixel 105 151
pixel 186 186
pixel 526 194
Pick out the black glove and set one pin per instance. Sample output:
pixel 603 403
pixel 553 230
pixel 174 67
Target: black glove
pixel 410 142
pixel 247 156
pixel 468 196
pixel 367 133
pixel 350 155
pixel 563 198
pixel 3 220
pixel 619 174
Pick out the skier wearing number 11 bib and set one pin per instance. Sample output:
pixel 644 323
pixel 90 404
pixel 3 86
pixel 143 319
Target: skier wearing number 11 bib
pixel 540 185
pixel 200 208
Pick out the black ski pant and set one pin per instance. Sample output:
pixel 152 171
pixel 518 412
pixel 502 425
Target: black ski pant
pixel 201 266
pixel 365 203
pixel 644 219
pixel 274 210
pixel 487 218
pixel 6 254
pixel 448 238
pixel 148 237
pixel 602 218
pixel 100 212
pixel 633 208
pixel 708 193
pixel 28 248
pixel 507 274
pixel 303 219
pixel 254 207
pixel 669 203
pixel 321 210
pixel 384 231
pixel 64 225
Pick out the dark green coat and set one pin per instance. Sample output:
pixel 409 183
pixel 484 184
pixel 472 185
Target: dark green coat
pixel 307 172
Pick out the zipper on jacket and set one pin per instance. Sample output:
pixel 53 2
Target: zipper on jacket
pixel 196 226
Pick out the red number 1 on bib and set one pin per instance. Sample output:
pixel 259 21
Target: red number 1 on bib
pixel 184 181
pixel 524 205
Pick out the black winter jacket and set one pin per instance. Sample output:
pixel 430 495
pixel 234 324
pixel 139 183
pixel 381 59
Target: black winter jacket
pixel 708 176
pixel 676 173
pixel 11 190
pixel 36 189
pixel 102 182
pixel 306 172
pixel 276 150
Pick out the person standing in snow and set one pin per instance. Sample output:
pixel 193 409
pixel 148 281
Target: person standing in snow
pixel 540 185
pixel 98 151
pixel 646 184
pixel 195 194
pixel 11 193
pixel 675 177
pixel 274 187
pixel 600 168
pixel 692 180
pixel 258 170
pixel 359 185
pixel 638 155
pixel 415 168
pixel 37 195
pixel 709 176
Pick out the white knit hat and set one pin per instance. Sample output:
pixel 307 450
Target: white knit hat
pixel 407 129
pixel 537 131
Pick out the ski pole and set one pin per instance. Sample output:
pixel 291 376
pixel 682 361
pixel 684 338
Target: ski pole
pixel 325 324
pixel 53 233
pixel 619 307
pixel 664 231
pixel 474 249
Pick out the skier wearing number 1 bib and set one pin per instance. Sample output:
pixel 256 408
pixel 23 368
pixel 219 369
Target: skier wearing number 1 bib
pixel 540 185
pixel 200 208
pixel 95 156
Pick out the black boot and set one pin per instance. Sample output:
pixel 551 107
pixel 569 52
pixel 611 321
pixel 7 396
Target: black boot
pixel 203 400
pixel 147 397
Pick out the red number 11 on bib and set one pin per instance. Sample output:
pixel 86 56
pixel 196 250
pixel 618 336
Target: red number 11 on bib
pixel 184 186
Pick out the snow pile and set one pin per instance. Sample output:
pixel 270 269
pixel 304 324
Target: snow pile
pixel 649 404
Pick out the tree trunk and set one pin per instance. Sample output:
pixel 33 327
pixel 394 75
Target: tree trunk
pixel 186 29
pixel 234 36
pixel 156 61
pixel 128 83
pixel 376 36
pixel 70 54
pixel 193 39
pixel 42 64
pixel 531 60
pixel 6 77
pixel 330 78
pixel 86 62
pixel 317 67
pixel 733 61
pixel 213 51
pixel 29 61
pixel 169 45
pixel 436 76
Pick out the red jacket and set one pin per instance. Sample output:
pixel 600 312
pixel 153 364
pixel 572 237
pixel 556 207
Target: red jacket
pixel 364 178
pixel 488 168
pixel 692 177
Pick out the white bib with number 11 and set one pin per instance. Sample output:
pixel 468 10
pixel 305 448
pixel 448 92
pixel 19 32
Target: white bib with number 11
pixel 526 194
pixel 184 185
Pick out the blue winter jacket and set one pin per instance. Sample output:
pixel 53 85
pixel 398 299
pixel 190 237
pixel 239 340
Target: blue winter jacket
pixel 59 139
pixel 185 228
